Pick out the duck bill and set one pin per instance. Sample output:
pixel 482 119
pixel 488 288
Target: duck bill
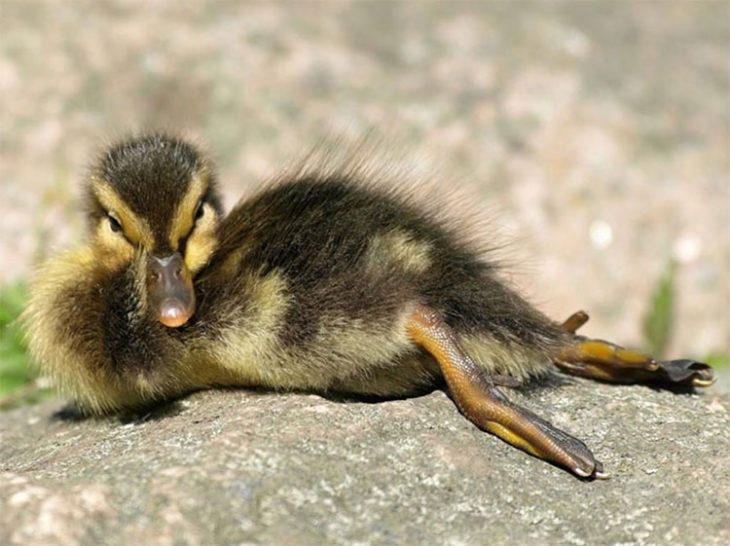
pixel 170 290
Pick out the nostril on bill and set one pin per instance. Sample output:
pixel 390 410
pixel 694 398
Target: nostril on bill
pixel 170 290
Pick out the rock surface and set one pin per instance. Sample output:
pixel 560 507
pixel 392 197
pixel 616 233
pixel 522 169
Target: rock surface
pixel 243 467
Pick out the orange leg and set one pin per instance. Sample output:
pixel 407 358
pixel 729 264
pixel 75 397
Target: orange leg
pixel 482 403
pixel 599 359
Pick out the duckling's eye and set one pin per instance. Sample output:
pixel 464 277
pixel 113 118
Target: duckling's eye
pixel 198 211
pixel 114 223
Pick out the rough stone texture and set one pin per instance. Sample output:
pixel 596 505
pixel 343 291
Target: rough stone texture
pixel 241 467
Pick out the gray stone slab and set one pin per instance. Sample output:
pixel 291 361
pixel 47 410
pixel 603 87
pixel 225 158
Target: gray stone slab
pixel 242 467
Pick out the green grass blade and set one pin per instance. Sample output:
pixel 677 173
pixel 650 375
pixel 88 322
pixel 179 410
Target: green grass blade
pixel 659 319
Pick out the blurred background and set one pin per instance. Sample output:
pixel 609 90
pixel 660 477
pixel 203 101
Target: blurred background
pixel 597 133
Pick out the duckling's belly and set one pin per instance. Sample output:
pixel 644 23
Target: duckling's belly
pixel 271 332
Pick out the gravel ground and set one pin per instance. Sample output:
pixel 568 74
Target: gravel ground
pixel 597 132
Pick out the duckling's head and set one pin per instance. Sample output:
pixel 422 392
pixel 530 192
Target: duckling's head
pixel 152 200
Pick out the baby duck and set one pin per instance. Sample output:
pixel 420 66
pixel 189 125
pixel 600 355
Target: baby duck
pixel 320 283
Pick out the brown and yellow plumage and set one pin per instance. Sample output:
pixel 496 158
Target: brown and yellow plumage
pixel 321 282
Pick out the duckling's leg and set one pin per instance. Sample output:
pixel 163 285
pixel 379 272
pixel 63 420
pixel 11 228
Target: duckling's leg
pixel 606 361
pixel 478 399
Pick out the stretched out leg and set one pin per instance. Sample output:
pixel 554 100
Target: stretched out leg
pixel 479 400
pixel 606 361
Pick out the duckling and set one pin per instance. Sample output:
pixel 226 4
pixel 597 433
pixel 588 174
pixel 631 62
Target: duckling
pixel 323 283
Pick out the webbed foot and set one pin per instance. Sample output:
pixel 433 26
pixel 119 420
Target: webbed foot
pixel 683 372
pixel 482 403
pixel 599 359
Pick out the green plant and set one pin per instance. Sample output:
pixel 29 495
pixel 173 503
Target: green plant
pixel 659 318
pixel 14 363
pixel 17 379
pixel 718 359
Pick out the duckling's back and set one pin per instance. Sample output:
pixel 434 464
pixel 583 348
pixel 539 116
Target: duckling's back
pixel 314 280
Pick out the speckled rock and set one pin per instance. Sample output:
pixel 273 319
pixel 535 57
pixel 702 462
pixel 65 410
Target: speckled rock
pixel 242 467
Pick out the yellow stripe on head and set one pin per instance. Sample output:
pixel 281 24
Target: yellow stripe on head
pixel 184 217
pixel 136 229
pixel 203 240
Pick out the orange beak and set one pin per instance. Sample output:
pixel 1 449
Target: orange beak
pixel 170 290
